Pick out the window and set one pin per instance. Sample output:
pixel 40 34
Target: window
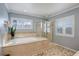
pixel 65 26
pixel 47 26
pixel 59 26
pixel 22 23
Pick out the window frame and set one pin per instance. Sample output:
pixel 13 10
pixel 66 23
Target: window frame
pixel 64 28
pixel 14 18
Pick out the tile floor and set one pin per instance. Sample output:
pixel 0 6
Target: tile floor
pixel 56 50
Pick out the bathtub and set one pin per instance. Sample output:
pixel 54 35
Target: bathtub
pixel 23 40
pixel 25 46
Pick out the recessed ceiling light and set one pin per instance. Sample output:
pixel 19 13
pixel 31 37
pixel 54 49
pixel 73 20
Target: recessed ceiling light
pixel 24 10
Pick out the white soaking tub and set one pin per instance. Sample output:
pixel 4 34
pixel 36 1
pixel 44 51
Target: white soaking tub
pixel 23 40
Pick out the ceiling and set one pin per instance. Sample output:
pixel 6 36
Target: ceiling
pixel 38 9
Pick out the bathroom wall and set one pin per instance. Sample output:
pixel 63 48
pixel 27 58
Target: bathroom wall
pixel 3 30
pixel 70 42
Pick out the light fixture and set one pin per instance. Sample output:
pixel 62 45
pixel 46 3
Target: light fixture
pixel 24 10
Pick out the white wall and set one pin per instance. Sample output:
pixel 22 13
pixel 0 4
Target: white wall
pixel 3 16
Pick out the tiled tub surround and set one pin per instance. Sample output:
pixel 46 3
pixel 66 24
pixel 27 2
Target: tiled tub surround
pixel 22 34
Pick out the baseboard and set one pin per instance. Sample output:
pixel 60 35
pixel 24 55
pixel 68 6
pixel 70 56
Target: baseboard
pixel 65 47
